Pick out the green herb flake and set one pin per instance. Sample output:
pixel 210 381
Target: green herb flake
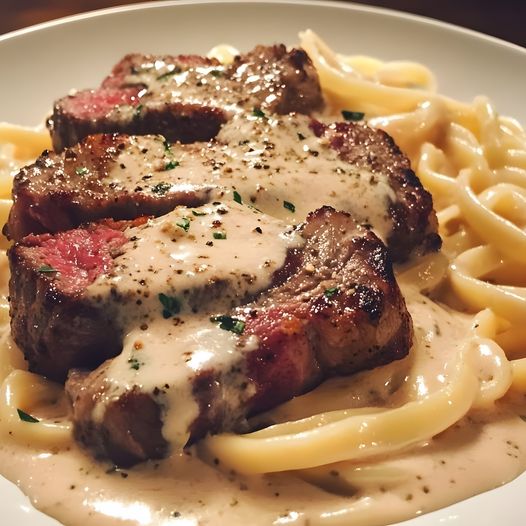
pixel 289 206
pixel 301 137
pixel 171 305
pixel 134 364
pixel 198 214
pixel 184 224
pixel 237 198
pixel 169 74
pixel 352 115
pixel 161 188
pixel 258 112
pixel 329 293
pixel 217 73
pixel 138 110
pixel 47 269
pixel 167 147
pixel 227 323
pixel 171 165
pixel 219 235
pixel 25 417
pixel 81 170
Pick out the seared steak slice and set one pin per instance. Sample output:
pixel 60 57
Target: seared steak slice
pixel 50 321
pixel 333 308
pixel 285 166
pixel 187 98
pixel 414 222
pixel 71 300
pixel 84 183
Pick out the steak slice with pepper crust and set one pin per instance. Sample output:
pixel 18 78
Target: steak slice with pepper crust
pixel 334 308
pixel 187 97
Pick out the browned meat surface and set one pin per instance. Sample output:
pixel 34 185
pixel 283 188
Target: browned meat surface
pixel 50 320
pixel 414 219
pixel 267 161
pixel 187 98
pixel 334 308
pixel 63 191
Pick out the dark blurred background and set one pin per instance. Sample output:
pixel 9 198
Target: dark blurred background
pixel 505 19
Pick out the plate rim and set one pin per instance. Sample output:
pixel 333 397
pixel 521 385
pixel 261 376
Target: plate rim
pixel 347 6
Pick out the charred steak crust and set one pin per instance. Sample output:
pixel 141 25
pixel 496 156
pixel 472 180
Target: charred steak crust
pixel 50 321
pixel 334 308
pixel 61 191
pixel 414 219
pixel 187 97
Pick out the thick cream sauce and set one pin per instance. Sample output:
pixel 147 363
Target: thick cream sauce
pixel 274 163
pixel 483 450
pixel 175 274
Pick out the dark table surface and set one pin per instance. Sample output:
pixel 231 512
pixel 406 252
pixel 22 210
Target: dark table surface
pixel 501 18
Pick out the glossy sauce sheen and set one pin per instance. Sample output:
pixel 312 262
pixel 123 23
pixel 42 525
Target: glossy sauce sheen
pixel 199 257
pixel 184 490
pixel 276 164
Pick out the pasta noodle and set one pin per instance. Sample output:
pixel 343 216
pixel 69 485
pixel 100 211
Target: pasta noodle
pixel 474 163
pixel 481 150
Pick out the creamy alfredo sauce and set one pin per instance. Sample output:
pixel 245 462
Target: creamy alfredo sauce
pixel 274 163
pixel 482 451
pixel 175 275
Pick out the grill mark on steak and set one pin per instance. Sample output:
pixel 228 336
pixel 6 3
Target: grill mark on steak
pixel 267 160
pixel 304 335
pixel 187 98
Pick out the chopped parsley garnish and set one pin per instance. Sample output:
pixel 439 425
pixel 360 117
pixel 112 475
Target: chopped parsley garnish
pixel 301 137
pixel 171 305
pixel 197 214
pixel 217 73
pixel 184 224
pixel 134 363
pixel 169 74
pixel 237 198
pixel 329 293
pixel 171 165
pixel 227 323
pixel 25 417
pixel 47 269
pixel 161 188
pixel 219 235
pixel 167 146
pixel 138 110
pixel 257 112
pixel 352 115
pixel 81 170
pixel 289 206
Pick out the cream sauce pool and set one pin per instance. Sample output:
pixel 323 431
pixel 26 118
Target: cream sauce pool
pixel 481 451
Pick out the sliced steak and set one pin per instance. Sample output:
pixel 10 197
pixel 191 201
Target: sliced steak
pixel 50 321
pixel 333 307
pixel 63 191
pixel 71 300
pixel 285 166
pixel 187 98
pixel 414 222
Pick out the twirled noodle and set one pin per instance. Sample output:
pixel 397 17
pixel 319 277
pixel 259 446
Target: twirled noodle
pixel 474 163
pixel 22 390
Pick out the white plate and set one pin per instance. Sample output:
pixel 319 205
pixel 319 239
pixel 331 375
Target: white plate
pixel 42 63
